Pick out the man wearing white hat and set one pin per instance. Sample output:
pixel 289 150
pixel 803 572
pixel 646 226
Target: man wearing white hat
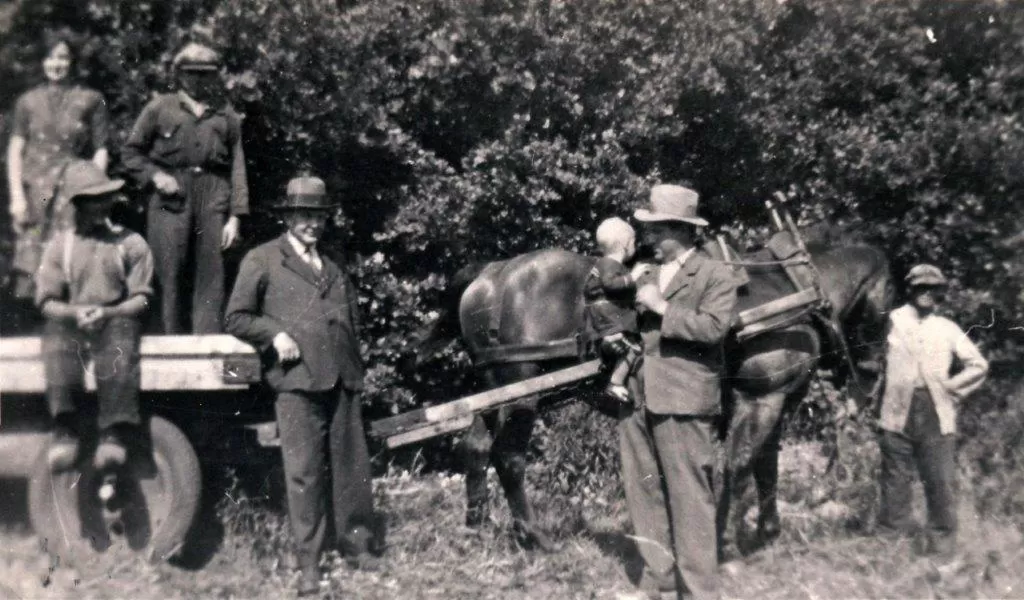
pixel 687 308
pixel 186 149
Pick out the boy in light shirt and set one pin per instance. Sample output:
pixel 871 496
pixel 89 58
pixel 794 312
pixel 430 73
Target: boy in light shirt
pixel 918 415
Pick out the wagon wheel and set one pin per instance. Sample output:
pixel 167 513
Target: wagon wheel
pixel 143 509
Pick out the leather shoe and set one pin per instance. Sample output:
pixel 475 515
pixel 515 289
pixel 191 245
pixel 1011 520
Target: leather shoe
pixel 63 450
pixel 365 562
pixel 657 587
pixel 308 583
pixel 111 452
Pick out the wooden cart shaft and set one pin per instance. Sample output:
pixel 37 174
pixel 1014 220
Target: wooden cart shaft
pixel 454 416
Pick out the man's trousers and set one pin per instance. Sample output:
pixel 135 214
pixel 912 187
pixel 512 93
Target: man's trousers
pixel 920 447
pixel 184 233
pixel 324 449
pixel 667 463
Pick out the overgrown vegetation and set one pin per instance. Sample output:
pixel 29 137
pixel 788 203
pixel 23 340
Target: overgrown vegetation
pixel 827 549
pixel 456 131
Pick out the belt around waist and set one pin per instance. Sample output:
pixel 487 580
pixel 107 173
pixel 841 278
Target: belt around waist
pixel 201 170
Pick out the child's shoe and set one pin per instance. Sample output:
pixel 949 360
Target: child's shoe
pixel 619 392
pixel 63 450
pixel 111 452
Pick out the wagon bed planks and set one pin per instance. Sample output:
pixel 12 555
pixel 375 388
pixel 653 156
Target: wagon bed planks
pixel 169 363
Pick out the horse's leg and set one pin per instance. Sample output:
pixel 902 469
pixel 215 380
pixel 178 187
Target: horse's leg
pixel 476 450
pixel 509 458
pixel 766 475
pixel 753 422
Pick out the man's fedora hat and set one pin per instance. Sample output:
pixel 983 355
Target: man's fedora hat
pixel 83 180
pixel 671 203
pixel 306 193
pixel 925 275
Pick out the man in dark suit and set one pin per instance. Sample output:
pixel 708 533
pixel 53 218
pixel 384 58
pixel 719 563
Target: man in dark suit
pixel 298 308
pixel 687 308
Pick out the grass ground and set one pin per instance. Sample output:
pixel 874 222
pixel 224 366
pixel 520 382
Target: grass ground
pixel 823 553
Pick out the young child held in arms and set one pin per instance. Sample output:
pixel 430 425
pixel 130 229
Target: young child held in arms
pixel 609 293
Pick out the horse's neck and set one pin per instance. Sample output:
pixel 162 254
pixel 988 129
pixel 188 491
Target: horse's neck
pixel 849 274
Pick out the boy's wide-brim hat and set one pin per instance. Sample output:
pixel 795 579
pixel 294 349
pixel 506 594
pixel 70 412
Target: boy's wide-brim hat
pixel 306 193
pixel 925 275
pixel 83 180
pixel 671 203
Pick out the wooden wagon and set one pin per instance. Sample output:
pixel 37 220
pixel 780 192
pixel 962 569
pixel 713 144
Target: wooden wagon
pixel 202 402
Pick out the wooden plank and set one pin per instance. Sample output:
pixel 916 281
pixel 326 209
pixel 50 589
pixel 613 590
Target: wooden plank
pixel 430 431
pixel 168 363
pixel 386 428
pixel 151 346
pixel 778 306
pixel 20 450
pixel 771 323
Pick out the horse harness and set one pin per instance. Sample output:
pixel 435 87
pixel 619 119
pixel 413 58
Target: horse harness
pixel 790 253
pixel 575 347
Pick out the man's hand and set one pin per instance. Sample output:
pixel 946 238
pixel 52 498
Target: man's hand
pixel 287 349
pixel 229 235
pixel 649 296
pixel 89 318
pixel 953 391
pixel 640 270
pixel 19 213
pixel 165 184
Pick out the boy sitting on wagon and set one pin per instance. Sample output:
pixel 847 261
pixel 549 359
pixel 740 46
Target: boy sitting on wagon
pixel 609 293
pixel 94 282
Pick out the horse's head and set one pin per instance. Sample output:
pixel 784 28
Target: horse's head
pixel 863 294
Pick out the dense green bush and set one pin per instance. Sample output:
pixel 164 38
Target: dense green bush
pixel 457 131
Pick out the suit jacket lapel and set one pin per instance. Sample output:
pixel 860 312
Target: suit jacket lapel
pixel 683 276
pixel 294 262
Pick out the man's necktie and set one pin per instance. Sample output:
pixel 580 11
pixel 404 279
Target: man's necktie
pixel 312 259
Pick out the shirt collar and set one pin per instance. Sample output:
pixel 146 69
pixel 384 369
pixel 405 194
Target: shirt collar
pixel 196 109
pixel 111 228
pixel 681 260
pixel 300 248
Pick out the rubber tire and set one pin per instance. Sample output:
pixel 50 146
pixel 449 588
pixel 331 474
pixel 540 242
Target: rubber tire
pixel 173 467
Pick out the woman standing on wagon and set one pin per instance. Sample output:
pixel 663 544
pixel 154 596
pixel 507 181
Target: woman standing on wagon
pixel 54 123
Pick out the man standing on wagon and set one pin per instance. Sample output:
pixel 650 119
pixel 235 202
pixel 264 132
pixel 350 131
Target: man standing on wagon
pixel 298 307
pixel 186 147
pixel 687 308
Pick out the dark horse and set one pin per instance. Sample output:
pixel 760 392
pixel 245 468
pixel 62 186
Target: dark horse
pixel 537 297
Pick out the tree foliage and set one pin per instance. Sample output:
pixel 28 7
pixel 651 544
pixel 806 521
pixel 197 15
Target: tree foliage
pixel 457 131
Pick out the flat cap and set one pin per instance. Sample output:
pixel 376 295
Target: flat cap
pixel 925 274
pixel 196 57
